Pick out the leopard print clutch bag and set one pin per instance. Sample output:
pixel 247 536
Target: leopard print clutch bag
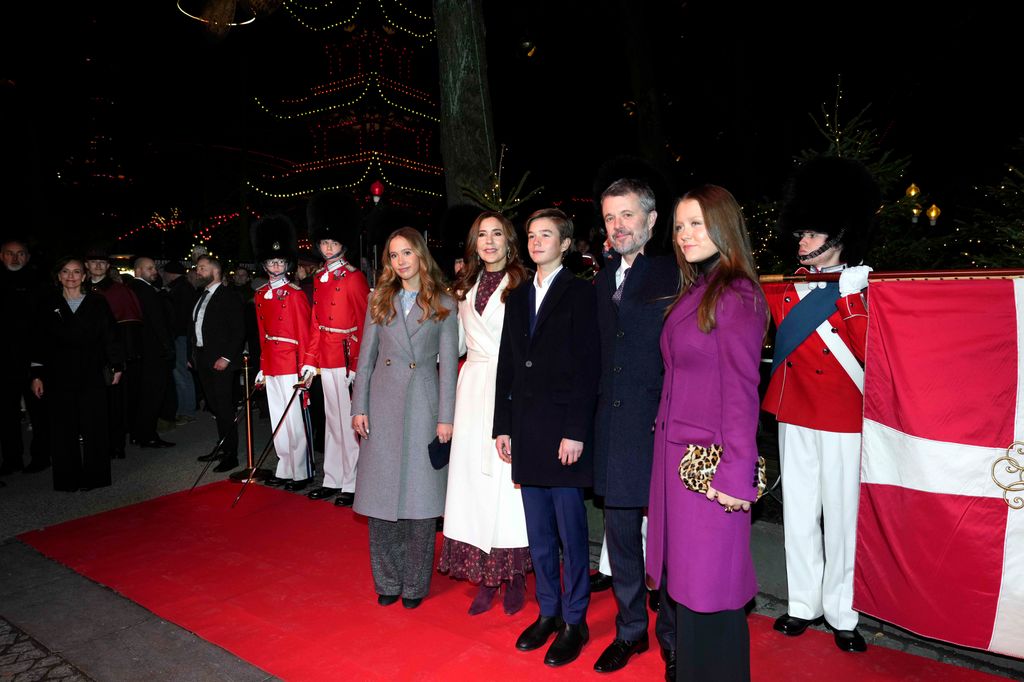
pixel 697 469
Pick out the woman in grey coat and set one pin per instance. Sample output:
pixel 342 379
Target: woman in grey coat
pixel 404 398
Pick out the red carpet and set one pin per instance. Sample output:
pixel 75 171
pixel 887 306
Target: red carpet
pixel 284 583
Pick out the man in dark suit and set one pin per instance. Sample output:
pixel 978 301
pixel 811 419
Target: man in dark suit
pixel 21 289
pixel 218 334
pixel 149 373
pixel 633 291
pixel 545 392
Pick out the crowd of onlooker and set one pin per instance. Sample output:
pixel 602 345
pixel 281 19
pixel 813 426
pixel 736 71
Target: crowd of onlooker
pixel 97 358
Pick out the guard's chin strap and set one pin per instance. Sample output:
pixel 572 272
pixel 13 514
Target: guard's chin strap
pixel 829 244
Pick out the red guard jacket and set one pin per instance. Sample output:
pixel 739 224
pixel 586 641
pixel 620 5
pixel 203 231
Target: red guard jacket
pixel 339 310
pixel 283 323
pixel 811 388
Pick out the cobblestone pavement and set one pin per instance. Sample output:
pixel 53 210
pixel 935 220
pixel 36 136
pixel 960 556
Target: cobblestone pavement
pixel 22 659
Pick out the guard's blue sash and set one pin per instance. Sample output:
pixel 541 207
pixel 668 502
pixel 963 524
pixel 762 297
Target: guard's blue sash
pixel 813 309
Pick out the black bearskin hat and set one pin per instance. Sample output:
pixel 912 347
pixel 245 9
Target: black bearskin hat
pixel 273 236
pixel 334 215
pixel 836 196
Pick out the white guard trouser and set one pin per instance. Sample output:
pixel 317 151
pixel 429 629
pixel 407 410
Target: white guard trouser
pixel 820 481
pixel 290 442
pixel 341 449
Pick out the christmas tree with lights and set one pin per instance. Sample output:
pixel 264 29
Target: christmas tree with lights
pixel 901 240
pixel 994 229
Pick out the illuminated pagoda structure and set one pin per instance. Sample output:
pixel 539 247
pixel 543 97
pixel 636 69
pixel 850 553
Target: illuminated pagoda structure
pixel 372 116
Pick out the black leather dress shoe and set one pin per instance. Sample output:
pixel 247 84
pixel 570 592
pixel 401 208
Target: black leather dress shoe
pixel 322 493
pixel 411 603
pixel 616 656
pixel 156 443
pixel 226 465
pixel 793 626
pixel 599 582
pixel 536 636
pixel 295 486
pixel 274 481
pixel 345 500
pixel 211 457
pixel 669 656
pixel 387 599
pixel 849 640
pixel 567 645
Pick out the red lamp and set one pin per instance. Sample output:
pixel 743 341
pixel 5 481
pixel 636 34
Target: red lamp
pixel 377 190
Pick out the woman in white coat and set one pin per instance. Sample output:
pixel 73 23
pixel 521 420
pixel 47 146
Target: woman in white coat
pixel 484 525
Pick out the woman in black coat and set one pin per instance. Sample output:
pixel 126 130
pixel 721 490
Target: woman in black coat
pixel 76 355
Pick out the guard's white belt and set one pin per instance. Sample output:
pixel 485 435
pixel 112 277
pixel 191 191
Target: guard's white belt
pixel 281 338
pixel 338 331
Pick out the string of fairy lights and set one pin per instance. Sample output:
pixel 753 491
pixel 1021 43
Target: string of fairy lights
pixel 296 10
pixel 371 78
pixel 377 161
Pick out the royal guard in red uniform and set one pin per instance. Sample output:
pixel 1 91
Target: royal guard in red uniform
pixel 282 318
pixel 340 295
pixel 816 391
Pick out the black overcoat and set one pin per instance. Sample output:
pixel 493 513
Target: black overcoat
pixel 631 376
pixel 546 383
pixel 73 348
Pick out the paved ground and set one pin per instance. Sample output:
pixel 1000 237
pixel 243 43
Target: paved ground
pixel 55 624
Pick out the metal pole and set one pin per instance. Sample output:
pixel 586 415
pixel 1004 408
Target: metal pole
pixel 234 423
pixel 295 392
pixel 249 471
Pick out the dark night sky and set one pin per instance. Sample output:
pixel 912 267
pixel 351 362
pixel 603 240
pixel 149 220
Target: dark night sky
pixel 737 83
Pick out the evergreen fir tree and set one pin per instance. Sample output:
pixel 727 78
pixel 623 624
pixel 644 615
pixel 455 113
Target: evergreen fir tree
pixel 898 242
pixel 994 232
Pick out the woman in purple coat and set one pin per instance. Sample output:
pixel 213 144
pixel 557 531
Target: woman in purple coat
pixel 711 346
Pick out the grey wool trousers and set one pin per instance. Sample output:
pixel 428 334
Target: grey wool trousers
pixel 402 556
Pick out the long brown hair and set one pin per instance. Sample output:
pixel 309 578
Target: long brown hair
pixel 432 281
pixel 473 265
pixel 723 220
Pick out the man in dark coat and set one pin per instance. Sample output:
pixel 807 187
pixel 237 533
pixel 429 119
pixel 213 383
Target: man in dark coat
pixel 149 374
pixel 20 290
pixel 633 291
pixel 218 334
pixel 545 391
pixel 127 312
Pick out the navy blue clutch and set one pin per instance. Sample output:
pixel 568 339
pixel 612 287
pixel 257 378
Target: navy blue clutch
pixel 439 453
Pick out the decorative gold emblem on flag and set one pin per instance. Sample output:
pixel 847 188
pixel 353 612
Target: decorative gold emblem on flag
pixel 1007 464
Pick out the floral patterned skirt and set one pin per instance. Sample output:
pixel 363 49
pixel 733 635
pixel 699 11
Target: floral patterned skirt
pixel 466 562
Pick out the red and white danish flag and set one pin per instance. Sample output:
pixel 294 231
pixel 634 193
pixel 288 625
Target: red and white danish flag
pixel 940 531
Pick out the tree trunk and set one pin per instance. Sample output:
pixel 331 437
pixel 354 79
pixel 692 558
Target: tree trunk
pixel 634 17
pixel 467 130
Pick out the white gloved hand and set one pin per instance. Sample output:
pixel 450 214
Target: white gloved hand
pixel 307 373
pixel 853 280
pixel 260 379
pixel 350 379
